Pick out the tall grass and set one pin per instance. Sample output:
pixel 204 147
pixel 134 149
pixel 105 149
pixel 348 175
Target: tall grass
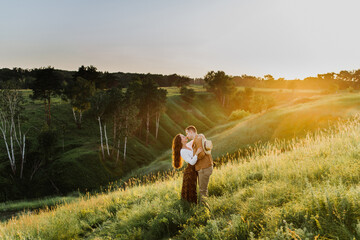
pixel 310 191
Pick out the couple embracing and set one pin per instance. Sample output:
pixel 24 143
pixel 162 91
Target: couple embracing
pixel 197 154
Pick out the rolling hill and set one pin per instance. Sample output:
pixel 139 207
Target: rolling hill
pixel 294 118
pixel 311 191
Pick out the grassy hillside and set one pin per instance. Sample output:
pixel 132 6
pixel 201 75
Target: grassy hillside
pixel 294 118
pixel 76 163
pixel 309 192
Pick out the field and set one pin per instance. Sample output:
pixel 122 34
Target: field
pixel 76 163
pixel 310 191
pixel 298 114
pixel 294 118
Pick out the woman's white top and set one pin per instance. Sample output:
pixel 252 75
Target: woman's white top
pixel 187 155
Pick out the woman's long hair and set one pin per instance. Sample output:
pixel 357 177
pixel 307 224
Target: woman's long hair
pixel 177 160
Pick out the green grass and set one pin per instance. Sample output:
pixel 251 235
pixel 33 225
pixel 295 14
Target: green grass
pixel 174 91
pixel 78 166
pixel 11 208
pixel 283 90
pixel 311 191
pixel 293 119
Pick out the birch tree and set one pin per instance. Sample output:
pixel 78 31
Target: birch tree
pixel 116 101
pixel 159 108
pixel 79 92
pixel 147 91
pixel 10 126
pixel 99 105
pixel 128 121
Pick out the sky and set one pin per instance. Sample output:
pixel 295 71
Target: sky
pixel 284 38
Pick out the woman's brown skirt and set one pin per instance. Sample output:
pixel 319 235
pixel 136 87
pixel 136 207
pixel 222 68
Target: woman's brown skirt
pixel 188 191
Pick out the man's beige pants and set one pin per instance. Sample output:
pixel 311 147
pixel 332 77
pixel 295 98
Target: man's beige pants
pixel 204 176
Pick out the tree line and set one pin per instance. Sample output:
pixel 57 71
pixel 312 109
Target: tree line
pixel 25 77
pixel 224 87
pixel 343 80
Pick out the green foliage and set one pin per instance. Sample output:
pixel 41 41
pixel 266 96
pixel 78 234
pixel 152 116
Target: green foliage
pixel 187 94
pixel 333 88
pixel 47 84
pixel 260 103
pixel 220 84
pixel 238 114
pixel 179 81
pixel 80 93
pixel 47 141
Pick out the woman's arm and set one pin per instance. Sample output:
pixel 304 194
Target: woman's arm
pixel 188 157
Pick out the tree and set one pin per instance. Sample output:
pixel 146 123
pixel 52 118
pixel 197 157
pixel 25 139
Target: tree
pixel 269 77
pixel 345 76
pixel 187 94
pixel 91 74
pixel 257 104
pixel 220 84
pixel 99 105
pixel 159 108
pixel 357 77
pixel 10 127
pixel 116 101
pixel 128 121
pixel 147 91
pixel 109 80
pixel 179 81
pixel 79 92
pixel 47 84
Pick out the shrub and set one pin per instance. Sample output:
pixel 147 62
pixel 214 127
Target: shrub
pixel 187 94
pixel 238 114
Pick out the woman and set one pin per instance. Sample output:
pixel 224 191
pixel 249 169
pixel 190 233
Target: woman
pixel 182 151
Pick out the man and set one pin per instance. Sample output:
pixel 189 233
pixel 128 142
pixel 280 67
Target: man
pixel 204 164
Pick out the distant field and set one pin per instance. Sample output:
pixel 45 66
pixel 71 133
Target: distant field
pixel 199 88
pixel 282 90
pixel 172 91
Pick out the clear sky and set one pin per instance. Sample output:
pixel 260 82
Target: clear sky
pixel 285 38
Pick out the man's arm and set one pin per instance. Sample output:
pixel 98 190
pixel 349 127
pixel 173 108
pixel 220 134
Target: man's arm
pixel 199 143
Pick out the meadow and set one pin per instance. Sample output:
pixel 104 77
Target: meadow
pixel 296 117
pixel 308 192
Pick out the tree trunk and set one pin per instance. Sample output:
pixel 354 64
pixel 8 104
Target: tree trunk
pixel 49 111
pixel 13 167
pixel 45 108
pixel 12 149
pixel 101 139
pixel 73 110
pixel 157 120
pixel 106 140
pixel 80 119
pixel 125 148
pixel 147 124
pixel 114 134
pixel 22 158
pixel 118 152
